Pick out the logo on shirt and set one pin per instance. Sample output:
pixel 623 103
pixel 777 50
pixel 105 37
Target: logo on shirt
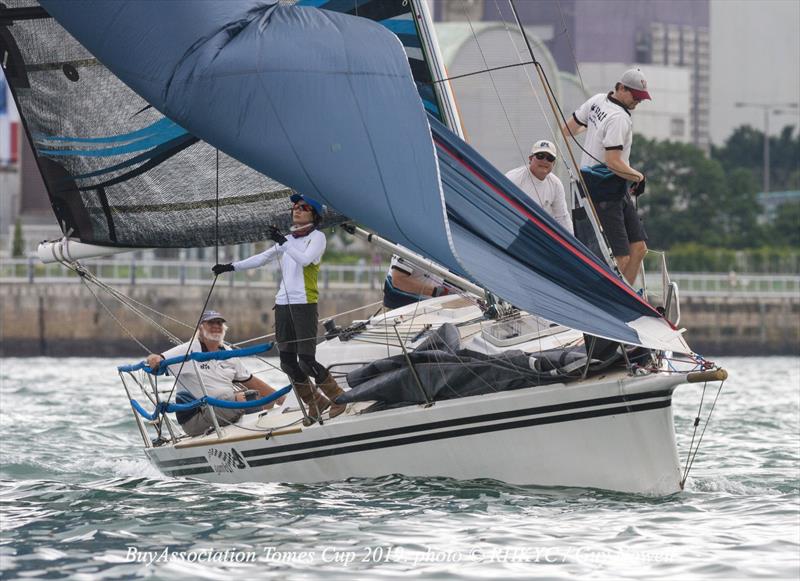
pixel 598 112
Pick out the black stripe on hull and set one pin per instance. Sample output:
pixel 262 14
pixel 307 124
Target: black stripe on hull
pixel 430 437
pixel 189 471
pixel 482 429
pixel 458 422
pixel 180 461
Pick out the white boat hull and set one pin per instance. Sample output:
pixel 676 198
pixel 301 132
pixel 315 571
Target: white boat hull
pixel 614 432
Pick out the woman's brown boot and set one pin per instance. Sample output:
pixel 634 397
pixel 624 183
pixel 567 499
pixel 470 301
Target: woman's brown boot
pixel 332 390
pixel 316 403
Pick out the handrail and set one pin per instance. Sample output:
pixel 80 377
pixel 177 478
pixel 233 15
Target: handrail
pixel 197 356
pixel 366 276
pixel 132 271
pixel 164 407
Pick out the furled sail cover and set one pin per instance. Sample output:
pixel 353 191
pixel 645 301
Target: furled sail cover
pixel 117 171
pixel 325 103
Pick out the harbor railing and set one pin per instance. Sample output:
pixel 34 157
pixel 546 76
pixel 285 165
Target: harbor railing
pixel 356 276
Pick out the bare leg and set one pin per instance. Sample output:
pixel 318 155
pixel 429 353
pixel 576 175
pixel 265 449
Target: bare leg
pixel 622 263
pixel 634 262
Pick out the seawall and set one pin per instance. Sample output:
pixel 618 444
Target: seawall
pixel 67 320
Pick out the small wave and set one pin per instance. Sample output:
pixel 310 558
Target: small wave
pixel 135 468
pixel 725 484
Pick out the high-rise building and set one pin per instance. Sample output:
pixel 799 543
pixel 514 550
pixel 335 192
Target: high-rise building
pixel 658 35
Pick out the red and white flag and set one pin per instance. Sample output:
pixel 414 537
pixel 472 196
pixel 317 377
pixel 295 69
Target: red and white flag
pixel 9 126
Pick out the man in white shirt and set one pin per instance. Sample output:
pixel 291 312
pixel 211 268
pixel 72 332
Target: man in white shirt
pixel 219 376
pixel 606 118
pixel 542 186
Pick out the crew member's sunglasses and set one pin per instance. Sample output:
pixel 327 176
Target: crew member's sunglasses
pixel 303 207
pixel 546 156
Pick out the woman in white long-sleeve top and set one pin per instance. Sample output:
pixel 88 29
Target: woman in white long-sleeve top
pixel 296 316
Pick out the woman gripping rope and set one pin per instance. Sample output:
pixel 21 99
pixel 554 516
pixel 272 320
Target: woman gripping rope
pixel 296 314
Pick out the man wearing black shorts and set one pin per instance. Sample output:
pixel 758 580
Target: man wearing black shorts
pixel 606 118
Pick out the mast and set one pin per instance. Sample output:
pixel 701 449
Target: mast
pixel 430 48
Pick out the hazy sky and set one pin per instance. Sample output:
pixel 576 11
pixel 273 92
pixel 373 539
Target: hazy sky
pixel 755 57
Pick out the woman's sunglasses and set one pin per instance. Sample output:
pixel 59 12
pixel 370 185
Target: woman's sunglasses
pixel 303 207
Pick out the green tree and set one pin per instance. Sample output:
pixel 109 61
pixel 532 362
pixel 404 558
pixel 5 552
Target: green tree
pixel 685 197
pixel 744 149
pixel 18 244
pixel 739 218
pixel 786 227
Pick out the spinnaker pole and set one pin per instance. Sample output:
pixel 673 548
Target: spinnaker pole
pixel 416 260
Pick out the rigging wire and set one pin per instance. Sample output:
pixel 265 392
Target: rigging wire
pixel 693 454
pixel 569 42
pixel 492 80
pixel 210 290
pixel 128 302
pixel 480 72
pixel 555 106
pixel 113 317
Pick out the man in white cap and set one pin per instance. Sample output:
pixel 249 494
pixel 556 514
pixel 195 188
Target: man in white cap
pixel 606 118
pixel 220 377
pixel 542 186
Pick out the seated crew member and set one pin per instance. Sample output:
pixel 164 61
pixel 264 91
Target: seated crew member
pixel 218 377
pixel 542 186
pixel 406 284
pixel 296 315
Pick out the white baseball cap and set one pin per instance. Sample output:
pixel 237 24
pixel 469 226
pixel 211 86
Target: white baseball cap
pixel 634 80
pixel 544 146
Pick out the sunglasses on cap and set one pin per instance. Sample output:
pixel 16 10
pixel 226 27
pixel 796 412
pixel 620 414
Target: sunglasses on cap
pixel 303 207
pixel 542 155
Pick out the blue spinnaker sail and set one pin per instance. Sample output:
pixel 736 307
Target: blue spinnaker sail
pixel 320 101
pixel 325 103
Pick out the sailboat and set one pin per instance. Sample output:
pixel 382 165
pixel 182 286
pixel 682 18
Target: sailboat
pixel 156 124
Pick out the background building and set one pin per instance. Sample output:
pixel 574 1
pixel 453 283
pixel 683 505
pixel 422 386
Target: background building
pixel 598 39
pixel 755 58
pixel 504 111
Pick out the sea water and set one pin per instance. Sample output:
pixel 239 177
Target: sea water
pixel 79 500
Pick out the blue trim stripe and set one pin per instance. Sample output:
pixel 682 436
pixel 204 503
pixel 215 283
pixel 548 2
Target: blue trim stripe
pixel 152 129
pixel 152 140
pixel 311 3
pixel 400 26
pixel 432 108
pixel 410 40
pixel 344 6
pixel 149 154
